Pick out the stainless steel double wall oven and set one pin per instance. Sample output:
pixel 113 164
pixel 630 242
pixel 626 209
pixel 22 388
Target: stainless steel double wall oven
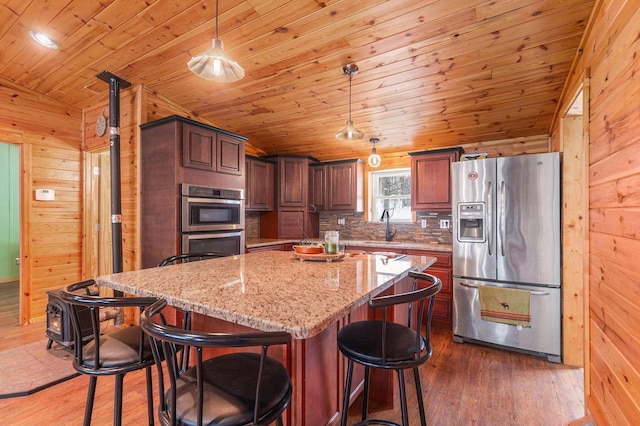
pixel 212 219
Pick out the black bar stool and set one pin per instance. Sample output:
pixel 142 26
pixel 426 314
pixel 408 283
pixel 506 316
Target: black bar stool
pixel 390 345
pixel 115 352
pixel 186 315
pixel 239 388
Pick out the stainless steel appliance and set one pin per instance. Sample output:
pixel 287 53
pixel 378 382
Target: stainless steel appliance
pixel 506 233
pixel 212 220
pixel 211 209
pixel 226 243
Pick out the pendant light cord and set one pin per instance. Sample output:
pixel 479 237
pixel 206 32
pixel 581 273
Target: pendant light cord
pixel 350 77
pixel 217 20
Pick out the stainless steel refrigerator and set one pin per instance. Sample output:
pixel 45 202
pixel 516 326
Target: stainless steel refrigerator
pixel 506 234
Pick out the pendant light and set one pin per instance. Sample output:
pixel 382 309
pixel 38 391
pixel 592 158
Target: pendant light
pixel 214 64
pixel 374 158
pixel 350 133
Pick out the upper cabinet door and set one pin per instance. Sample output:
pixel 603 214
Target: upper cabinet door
pixel 431 179
pixel 206 149
pixel 293 176
pixel 260 181
pixel 317 191
pixel 230 155
pixel 345 186
pixel 198 147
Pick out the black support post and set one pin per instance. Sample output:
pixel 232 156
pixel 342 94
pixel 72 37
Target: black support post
pixel 115 84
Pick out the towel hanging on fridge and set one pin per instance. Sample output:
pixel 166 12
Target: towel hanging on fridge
pixel 505 305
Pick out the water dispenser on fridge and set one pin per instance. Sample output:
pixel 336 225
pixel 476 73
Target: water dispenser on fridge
pixel 472 222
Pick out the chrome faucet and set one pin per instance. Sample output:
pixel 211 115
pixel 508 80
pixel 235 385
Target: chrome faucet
pixel 388 234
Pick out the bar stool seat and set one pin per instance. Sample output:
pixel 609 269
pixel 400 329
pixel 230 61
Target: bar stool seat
pixel 390 345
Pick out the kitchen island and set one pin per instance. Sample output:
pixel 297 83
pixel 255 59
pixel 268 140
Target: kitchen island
pixel 276 291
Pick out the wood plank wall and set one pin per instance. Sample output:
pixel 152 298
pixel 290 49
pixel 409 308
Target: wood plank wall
pixel 128 168
pixel 49 135
pixel 610 56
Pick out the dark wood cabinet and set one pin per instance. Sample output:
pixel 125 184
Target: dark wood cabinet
pixel 317 186
pixel 260 181
pixel 207 149
pixel 230 156
pixel 198 147
pixel 176 150
pixel 292 216
pixel 345 186
pixel 292 181
pixel 442 269
pixel 337 186
pixel 431 179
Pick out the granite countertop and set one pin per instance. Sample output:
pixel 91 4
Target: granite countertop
pixel 270 290
pixel 388 245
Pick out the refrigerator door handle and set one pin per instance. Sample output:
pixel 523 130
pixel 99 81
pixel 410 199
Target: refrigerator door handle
pixel 489 218
pixel 532 292
pixel 502 219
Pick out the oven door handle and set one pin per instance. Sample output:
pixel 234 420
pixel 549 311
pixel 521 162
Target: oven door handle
pixel 213 200
pixel 208 235
pixel 533 292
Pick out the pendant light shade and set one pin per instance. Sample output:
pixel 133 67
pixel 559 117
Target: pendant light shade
pixel 214 64
pixel 374 158
pixel 350 133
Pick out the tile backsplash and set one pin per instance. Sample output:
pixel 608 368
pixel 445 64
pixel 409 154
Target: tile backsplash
pixel 356 228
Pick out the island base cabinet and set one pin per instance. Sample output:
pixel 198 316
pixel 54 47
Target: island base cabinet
pixel 318 368
pixel 315 366
pixel 316 375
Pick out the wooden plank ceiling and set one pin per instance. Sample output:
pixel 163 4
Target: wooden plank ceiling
pixel 433 73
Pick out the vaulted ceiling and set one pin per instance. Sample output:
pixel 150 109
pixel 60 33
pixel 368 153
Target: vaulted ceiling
pixel 432 73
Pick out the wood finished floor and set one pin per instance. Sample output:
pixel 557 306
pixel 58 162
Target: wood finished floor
pixel 463 384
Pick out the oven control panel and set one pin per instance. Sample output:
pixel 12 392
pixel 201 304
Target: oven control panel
pixel 188 190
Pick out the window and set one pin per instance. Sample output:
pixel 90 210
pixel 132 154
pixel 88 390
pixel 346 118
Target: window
pixel 390 190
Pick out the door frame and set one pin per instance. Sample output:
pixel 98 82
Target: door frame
pixel 574 140
pixel 21 240
pixel 96 245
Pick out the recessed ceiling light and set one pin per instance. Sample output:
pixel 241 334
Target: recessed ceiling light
pixel 43 40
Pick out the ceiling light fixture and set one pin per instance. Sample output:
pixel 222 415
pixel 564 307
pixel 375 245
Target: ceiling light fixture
pixel 350 133
pixel 43 40
pixel 214 64
pixel 374 158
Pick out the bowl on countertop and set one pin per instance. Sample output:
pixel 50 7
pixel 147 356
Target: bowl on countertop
pixel 309 249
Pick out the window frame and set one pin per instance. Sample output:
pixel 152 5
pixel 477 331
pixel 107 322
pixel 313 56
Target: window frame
pixel 372 183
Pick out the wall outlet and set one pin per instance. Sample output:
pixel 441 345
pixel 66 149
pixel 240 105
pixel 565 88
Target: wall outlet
pixel 444 224
pixel 423 223
pixel 341 221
